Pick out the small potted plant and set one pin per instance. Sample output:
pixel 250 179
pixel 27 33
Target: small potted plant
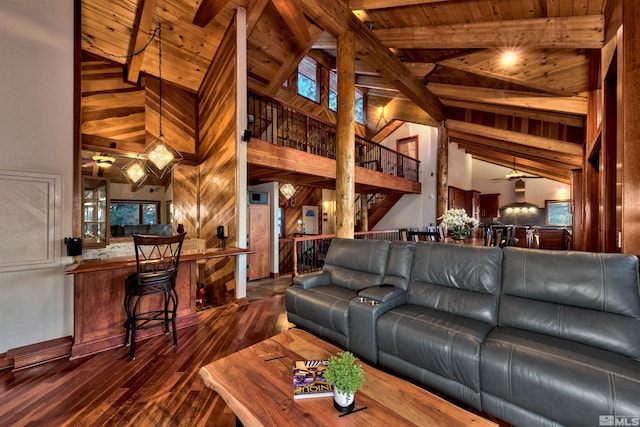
pixel 346 376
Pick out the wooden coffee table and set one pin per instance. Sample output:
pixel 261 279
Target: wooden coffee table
pixel 256 383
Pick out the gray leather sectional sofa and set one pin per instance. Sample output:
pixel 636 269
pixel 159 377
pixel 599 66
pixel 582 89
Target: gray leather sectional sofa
pixel 533 337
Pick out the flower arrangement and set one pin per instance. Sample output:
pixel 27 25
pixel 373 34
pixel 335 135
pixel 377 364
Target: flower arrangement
pixel 459 223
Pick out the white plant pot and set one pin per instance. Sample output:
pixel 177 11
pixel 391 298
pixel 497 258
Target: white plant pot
pixel 343 402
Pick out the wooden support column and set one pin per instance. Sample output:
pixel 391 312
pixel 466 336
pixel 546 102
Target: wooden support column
pixel 443 171
pixel 364 212
pixel 345 157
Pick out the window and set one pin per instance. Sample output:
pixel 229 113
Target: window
pixel 359 107
pixel 333 98
pixel 558 212
pixel 134 212
pixel 333 91
pixel 307 78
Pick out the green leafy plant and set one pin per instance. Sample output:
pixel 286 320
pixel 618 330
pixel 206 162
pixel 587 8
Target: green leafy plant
pixel 344 373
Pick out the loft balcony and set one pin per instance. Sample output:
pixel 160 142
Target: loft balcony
pixel 289 146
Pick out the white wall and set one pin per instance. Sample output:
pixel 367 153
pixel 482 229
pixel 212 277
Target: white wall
pixel 460 170
pixel 465 173
pixel 536 190
pixel 415 210
pixel 36 118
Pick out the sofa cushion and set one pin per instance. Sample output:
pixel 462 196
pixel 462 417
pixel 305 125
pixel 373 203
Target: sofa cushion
pixel 592 298
pixel 326 306
pixel 443 343
pixel 461 280
pixel 131 229
pixel 398 272
pixel 568 382
pixel 356 264
pixel 160 229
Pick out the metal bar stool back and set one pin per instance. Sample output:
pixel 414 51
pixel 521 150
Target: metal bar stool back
pixel 157 259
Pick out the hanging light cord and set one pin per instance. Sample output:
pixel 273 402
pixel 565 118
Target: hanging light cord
pixel 98 48
pixel 159 76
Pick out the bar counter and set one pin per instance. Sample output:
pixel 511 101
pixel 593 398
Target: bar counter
pixel 98 289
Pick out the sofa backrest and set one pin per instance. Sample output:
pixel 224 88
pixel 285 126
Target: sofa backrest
pixel 591 298
pixel 457 279
pixel 356 264
pixel 398 270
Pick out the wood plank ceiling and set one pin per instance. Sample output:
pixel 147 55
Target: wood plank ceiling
pixel 435 61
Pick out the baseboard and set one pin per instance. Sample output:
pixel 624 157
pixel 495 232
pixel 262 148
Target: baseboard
pixel 242 301
pixel 274 275
pixel 39 353
pixel 5 362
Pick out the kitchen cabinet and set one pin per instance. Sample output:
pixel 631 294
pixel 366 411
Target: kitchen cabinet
pixel 489 205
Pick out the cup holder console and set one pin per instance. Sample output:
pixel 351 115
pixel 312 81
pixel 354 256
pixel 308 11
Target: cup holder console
pixel 367 301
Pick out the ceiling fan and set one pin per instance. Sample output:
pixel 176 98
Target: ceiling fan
pixel 100 160
pixel 515 175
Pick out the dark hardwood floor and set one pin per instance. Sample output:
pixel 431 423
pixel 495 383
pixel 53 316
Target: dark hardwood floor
pixel 161 387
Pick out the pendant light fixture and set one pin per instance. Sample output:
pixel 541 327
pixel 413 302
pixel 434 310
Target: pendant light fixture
pixel 136 172
pixel 161 156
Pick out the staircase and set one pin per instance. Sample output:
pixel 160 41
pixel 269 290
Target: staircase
pixel 378 205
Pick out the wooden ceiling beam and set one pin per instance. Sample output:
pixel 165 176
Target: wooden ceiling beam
pixel 292 62
pixel 514 162
pixel 576 105
pixel 573 32
pixel 293 16
pixel 254 13
pixel 560 176
pixel 516 137
pixel 389 128
pixel 381 4
pixel 207 11
pixel 559 118
pixel 407 111
pixel 139 38
pixel 335 17
pixel 518 150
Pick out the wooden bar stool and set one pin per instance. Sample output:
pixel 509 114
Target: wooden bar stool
pixel 157 260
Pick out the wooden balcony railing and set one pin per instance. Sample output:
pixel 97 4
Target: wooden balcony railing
pixel 282 125
pixel 309 252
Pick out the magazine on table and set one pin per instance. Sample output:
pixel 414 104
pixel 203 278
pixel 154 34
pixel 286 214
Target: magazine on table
pixel 308 379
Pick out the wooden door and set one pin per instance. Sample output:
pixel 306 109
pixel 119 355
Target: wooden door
pixel 258 241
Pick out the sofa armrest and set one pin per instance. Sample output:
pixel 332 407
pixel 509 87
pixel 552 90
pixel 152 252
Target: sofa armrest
pixel 382 293
pixel 311 280
pixel 364 312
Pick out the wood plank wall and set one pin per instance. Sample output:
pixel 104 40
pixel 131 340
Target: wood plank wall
pixel 117 115
pixel 179 118
pixel 218 169
pixel 113 111
pixel 186 187
pixel 292 211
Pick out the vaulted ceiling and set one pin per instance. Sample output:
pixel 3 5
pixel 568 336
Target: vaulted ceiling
pixel 434 61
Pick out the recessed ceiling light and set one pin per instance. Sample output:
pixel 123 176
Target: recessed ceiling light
pixel 509 58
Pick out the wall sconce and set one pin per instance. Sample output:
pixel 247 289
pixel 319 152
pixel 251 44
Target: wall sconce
pixel 288 191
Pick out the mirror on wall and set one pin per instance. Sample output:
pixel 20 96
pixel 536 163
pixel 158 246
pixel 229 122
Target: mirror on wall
pixel 121 210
